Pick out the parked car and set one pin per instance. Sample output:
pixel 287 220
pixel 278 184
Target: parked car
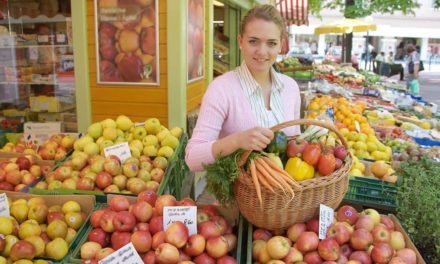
pixel 335 54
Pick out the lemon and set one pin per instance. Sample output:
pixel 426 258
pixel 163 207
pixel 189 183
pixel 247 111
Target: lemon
pixel 425 125
pixel 350 144
pixel 359 145
pixel 344 131
pixel 356 172
pixel 362 137
pixel 360 166
pixel 353 136
pixel 371 146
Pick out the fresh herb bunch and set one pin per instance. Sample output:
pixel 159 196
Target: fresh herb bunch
pixel 221 176
pixel 418 205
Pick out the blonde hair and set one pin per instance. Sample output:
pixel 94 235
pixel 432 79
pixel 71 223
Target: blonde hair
pixel 267 13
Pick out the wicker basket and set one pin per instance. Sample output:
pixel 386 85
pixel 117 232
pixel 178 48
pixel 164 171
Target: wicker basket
pixel 281 211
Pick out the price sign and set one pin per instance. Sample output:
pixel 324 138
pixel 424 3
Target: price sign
pixel 326 216
pixel 357 126
pixel 4 205
pixel 125 255
pixel 122 151
pixel 184 214
pixel 37 133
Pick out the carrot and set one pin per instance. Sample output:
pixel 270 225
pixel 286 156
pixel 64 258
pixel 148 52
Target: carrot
pixel 253 170
pixel 264 182
pixel 285 175
pixel 269 177
pixel 276 174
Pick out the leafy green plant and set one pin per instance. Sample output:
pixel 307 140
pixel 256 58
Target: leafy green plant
pixel 418 205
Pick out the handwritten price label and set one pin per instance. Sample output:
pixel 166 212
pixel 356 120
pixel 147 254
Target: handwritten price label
pixel 125 255
pixel 122 151
pixel 184 214
pixel 326 216
pixel 4 205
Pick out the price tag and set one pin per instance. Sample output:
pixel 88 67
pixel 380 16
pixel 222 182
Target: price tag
pixel 122 151
pixel 358 128
pixel 48 128
pixel 4 205
pixel 141 124
pixel 126 254
pixel 326 216
pixel 184 214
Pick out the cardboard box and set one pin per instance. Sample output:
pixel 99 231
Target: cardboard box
pixel 51 104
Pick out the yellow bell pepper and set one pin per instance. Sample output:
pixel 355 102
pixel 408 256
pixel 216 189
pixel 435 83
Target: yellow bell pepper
pixel 299 169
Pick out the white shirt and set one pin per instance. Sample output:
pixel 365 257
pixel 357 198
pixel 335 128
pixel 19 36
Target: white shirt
pixel 254 93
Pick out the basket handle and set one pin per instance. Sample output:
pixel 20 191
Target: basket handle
pixel 280 126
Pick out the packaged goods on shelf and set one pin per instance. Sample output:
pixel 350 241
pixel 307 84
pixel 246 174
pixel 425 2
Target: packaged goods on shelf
pixel 51 104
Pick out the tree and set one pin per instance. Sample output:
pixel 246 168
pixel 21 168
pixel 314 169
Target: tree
pixel 363 8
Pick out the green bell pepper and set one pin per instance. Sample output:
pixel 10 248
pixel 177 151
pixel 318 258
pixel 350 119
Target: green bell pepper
pixel 278 143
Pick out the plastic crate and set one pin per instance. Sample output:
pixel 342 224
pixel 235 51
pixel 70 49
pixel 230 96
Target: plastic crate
pixel 371 192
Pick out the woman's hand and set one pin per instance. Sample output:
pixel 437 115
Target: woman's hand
pixel 255 138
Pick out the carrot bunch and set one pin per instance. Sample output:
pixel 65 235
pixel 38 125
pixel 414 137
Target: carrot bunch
pixel 266 173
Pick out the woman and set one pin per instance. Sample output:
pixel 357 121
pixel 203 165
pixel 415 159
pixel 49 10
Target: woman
pixel 241 105
pixel 412 69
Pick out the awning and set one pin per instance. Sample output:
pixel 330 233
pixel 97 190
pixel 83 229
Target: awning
pixel 295 12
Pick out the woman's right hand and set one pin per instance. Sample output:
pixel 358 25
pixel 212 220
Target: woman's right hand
pixel 256 138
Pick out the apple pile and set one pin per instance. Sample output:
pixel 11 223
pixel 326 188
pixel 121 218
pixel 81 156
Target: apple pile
pixel 55 148
pixel 36 230
pixel 17 173
pixel 96 173
pixel 353 238
pixel 141 223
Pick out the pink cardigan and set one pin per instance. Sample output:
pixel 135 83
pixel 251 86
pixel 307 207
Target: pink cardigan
pixel 226 110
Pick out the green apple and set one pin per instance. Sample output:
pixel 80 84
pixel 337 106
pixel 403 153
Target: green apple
pixel 136 143
pixel 135 152
pixel 374 215
pixel 3 260
pixel 79 144
pixel 38 212
pixel 71 233
pixel 99 140
pixel 71 206
pixel 6 225
pixel 176 131
pixel 165 151
pixel 162 134
pixel 110 133
pixel 29 228
pixel 170 141
pixel 38 243
pixel 150 151
pixel 10 240
pixel 119 140
pixel 95 130
pixel 152 125
pixel 105 143
pixel 91 149
pixel 57 228
pixel 108 123
pixel 19 212
pixel 57 248
pixel 123 122
pixel 120 133
pixel 150 140
pixel 73 219
pixel 139 132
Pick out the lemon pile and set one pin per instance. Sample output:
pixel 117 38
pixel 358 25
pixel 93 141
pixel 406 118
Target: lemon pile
pixel 366 146
pixel 358 168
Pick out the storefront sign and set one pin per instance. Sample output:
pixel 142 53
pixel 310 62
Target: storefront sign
pixel 196 40
pixel 127 42
pixel 184 214
pixel 126 254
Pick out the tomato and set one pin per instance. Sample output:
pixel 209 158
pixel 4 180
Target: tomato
pixel 311 154
pixel 326 164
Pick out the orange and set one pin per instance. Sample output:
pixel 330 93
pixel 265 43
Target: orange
pixel 314 106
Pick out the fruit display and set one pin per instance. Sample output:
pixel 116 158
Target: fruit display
pixel 386 133
pixel 97 173
pixel 353 237
pixel 366 146
pixel 55 148
pixel 18 173
pixel 41 226
pixel 127 44
pixel 378 169
pixel 382 118
pixel 140 221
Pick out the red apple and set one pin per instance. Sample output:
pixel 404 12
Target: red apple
pixel 23 163
pixel 167 254
pixel 221 223
pixel 339 232
pixel 177 234
pixel 226 260
pixel 186 202
pixel 209 229
pixel 313 225
pixel 157 239
pixel 142 227
pixel 6 186
pixel 217 247
pixel 89 249
pixel 397 240
pixel 365 222
pixel 312 258
pixel 120 239
pixel 119 203
pixel 103 179
pixel 348 214
pixel 141 241
pixel 147 196
pixel 361 239
pixel 262 234
pixel 157 174
pixel 204 259
pixel 232 241
pixel 293 256
pixel 164 200
pixel 86 184
pixel 195 245
pixel 295 231
pixel 51 216
pixel 22 249
pixel 156 224
pixel 150 258
pixel 386 220
pixel 346 250
pixel 295 147
pixel 307 241
pixel 142 211
pixel 408 255
pixel 381 234
pixel 361 256
pixel 14 177
pixel 328 249
pixel 99 236
pixel 104 252
pixel 382 253
pixel 124 221
pixel 106 222
pixel 202 216
pixel 397 260
pixel 95 218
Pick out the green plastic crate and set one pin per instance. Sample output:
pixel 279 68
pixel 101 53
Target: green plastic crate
pixel 371 192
